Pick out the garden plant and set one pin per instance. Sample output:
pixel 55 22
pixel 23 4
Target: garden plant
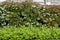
pixel 29 21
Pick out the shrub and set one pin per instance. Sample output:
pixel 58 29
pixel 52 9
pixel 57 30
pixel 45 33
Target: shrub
pixel 29 33
pixel 7 17
pixel 30 14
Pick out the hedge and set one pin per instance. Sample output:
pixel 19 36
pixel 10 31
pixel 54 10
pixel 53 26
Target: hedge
pixel 29 33
pixel 28 14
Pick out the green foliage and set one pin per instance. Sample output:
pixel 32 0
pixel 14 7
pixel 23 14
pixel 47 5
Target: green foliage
pixel 29 33
pixel 8 18
pixel 28 14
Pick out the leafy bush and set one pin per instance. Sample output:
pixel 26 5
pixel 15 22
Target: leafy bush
pixel 29 33
pixel 29 14
pixel 7 18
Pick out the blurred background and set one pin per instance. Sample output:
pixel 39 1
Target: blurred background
pixel 43 2
pixel 2 0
